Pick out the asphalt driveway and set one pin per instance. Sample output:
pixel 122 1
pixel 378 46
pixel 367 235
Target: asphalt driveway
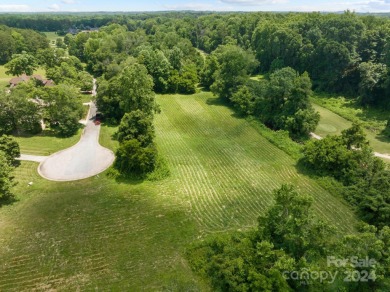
pixel 85 159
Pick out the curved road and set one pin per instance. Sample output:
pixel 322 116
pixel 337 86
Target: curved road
pixel 85 159
pixel 385 156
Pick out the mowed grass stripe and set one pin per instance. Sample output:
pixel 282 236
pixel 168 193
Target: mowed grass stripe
pixel 284 162
pixel 230 170
pixel 91 233
pixel 188 173
pixel 221 170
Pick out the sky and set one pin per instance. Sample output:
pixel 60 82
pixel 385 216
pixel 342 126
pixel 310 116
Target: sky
pixel 209 5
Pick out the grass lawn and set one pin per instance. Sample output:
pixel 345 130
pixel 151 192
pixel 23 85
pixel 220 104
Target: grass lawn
pixel 103 234
pixel 4 78
pixel 332 124
pixel 257 77
pixel 52 37
pixel 45 143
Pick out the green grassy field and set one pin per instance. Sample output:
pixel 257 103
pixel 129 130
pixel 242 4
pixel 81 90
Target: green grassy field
pixel 332 124
pixel 45 143
pixel 4 78
pixel 224 170
pixel 103 234
pixel 52 37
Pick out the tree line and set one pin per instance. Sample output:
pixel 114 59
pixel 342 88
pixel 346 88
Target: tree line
pixel 292 250
pixel 15 41
pixel 9 151
pixel 346 53
pixel 364 178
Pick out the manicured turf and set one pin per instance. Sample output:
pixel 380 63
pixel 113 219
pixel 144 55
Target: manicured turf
pixel 332 124
pixel 102 234
pixel 52 37
pixel 45 143
pixel 4 78
pixel 223 169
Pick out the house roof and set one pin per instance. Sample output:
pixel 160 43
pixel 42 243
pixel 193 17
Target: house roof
pixel 22 78
pixel 17 80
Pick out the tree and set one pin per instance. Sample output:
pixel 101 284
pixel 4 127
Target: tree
pixel 21 64
pixel 371 85
pixel 132 158
pixel 64 109
pixel 10 148
pixel 7 46
pixel 136 89
pixel 208 71
pixel 250 98
pixel 85 81
pixel 136 125
pixel 188 79
pixel 63 73
pixel 6 182
pixel 302 123
pixel 158 67
pixel 108 99
pixel 288 105
pixel 234 66
pixel 19 113
pixel 290 225
pixel 60 43
pixel 386 131
pixel 354 136
pixel 276 42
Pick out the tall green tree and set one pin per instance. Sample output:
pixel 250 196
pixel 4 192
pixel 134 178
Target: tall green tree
pixel 132 158
pixel 10 148
pixel 136 89
pixel 234 66
pixel 6 180
pixel 19 112
pixel 21 64
pixel 290 225
pixel 288 105
pixel 136 125
pixel 64 109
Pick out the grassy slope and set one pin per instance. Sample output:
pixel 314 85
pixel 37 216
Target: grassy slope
pixel 45 143
pixel 102 234
pixel 223 169
pixel 4 78
pixel 93 233
pixel 332 123
pixel 52 37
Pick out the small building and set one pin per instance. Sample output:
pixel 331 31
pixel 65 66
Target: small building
pixel 23 78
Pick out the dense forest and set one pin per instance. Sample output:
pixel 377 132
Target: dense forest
pixel 134 56
pixel 341 52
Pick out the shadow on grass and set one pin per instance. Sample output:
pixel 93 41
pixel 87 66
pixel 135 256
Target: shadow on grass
pixel 383 137
pixel 217 101
pixel 304 169
pixel 8 201
pixel 51 133
pixel 221 102
pixel 130 179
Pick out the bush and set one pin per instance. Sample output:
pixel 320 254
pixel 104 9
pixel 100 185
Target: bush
pixel 5 178
pixel 10 148
pixel 132 158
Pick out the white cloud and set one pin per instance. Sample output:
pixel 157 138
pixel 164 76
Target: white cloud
pixel 190 6
pixel 253 2
pixel 379 5
pixel 54 7
pixel 68 1
pixel 14 8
